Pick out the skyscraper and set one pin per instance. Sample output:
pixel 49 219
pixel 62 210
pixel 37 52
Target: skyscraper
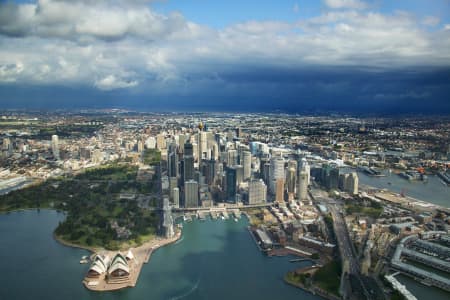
pixel 279 194
pixel 167 219
pixel 257 192
pixel 330 176
pixel 176 197
pixel 247 164
pixel 353 184
pixel 173 163
pixel 55 147
pixel 188 162
pixel 231 183
pixel 161 141
pixel 302 188
pixel 202 145
pixel 291 179
pixel 190 194
pixel 276 172
pixel 232 157
pixel 303 165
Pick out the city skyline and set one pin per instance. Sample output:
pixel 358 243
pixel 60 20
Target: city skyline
pixel 294 56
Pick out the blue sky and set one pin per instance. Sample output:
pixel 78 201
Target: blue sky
pixel 219 14
pixel 342 55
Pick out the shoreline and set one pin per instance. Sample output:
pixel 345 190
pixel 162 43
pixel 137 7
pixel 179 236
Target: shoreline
pixel 5 212
pixel 313 290
pixel 407 200
pixel 72 245
pixel 142 255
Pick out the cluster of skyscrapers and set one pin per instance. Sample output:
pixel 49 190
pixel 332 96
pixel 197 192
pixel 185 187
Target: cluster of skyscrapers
pixel 203 167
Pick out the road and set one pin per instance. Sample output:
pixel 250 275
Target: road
pixel 345 245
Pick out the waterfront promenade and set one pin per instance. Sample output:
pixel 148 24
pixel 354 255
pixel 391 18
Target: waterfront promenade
pixel 141 254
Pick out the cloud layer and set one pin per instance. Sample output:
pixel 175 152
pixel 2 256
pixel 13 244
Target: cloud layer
pixel 109 45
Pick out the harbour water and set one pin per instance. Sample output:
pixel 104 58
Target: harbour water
pixel 213 260
pixel 432 190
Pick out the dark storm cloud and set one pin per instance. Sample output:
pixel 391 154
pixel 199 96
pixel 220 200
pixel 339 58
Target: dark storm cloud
pixel 112 52
pixel 268 89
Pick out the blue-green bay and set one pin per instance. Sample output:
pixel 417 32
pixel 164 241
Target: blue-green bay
pixel 213 260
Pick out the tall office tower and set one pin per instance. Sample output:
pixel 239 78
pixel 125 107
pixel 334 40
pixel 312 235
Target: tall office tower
pixel 195 151
pixel 202 145
pixel 161 141
pixel 55 147
pixel 173 183
pixel 302 188
pixel 257 192
pixel 215 151
pixel 343 181
pixel 167 219
pixel 303 165
pixel 353 184
pixel 291 179
pixel 150 143
pixel 176 197
pixel 140 146
pixel 262 161
pixel 276 172
pixel 188 149
pixel 210 171
pixel 279 194
pixel 231 183
pixel 181 141
pixel 330 176
pixel 239 174
pixel 247 164
pixel 191 194
pixel 173 163
pixel 188 165
pixel 232 157
pixel 238 132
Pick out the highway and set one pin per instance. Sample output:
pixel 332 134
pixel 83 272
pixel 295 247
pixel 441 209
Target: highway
pixel 345 245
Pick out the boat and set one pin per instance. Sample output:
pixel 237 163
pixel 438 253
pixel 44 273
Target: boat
pixel 389 183
pixel 84 257
pixel 235 219
pixel 84 261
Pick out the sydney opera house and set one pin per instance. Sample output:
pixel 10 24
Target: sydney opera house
pixel 117 268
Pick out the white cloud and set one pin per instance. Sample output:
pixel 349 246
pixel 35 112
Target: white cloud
pixel 10 72
pixel 352 4
pixel 128 45
pixel 111 82
pixel 81 20
pixel 431 21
